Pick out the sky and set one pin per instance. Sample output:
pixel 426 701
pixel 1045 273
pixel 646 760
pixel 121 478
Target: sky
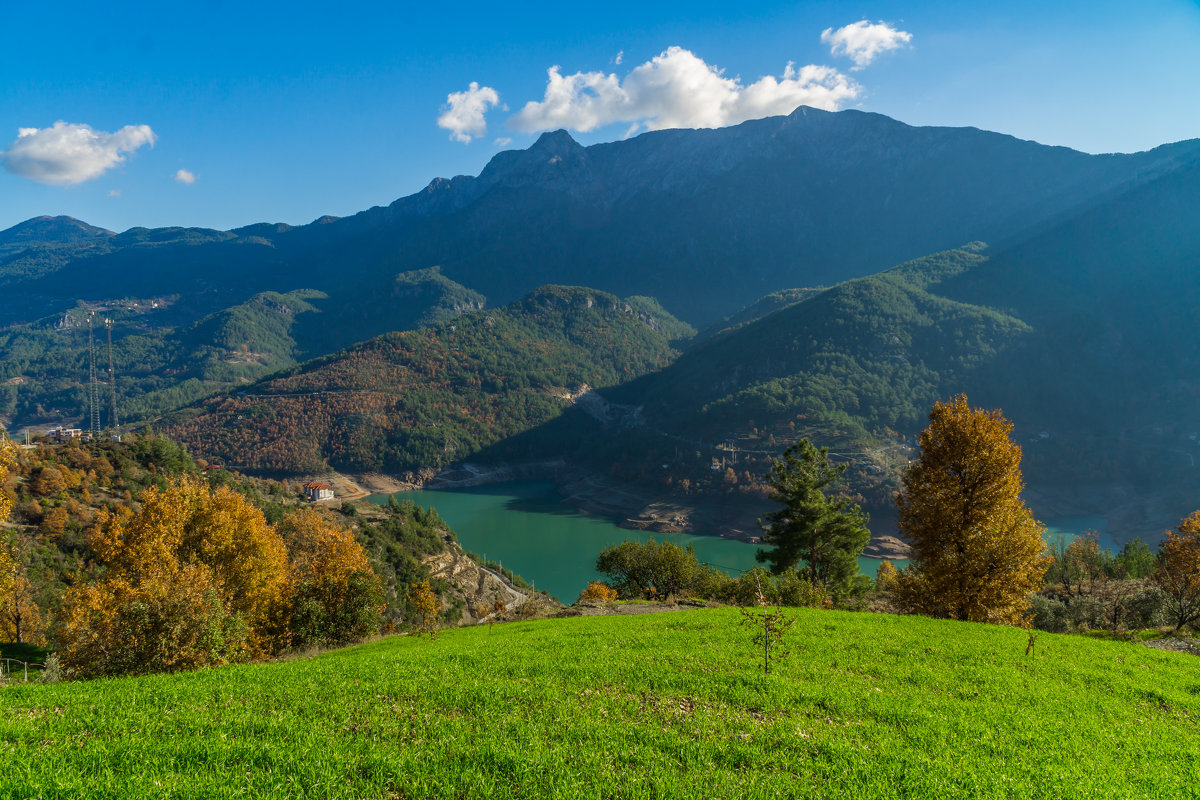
pixel 220 114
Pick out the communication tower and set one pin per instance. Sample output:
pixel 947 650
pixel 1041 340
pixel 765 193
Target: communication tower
pixel 93 382
pixel 113 422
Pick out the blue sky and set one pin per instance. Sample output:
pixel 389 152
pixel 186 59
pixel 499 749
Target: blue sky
pixel 287 112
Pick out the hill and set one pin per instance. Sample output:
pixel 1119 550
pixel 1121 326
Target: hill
pixel 418 400
pixel 869 706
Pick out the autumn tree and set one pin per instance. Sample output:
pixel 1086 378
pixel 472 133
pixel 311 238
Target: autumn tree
pixel 49 482
pixel 333 594
pixel 817 530
pixel 1178 573
pixel 20 617
pixel 978 552
pixel 194 577
pixel 16 597
pixel 426 607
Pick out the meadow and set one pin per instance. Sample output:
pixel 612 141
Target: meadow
pixel 664 705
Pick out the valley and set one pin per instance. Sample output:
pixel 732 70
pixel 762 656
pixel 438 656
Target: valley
pixel 443 340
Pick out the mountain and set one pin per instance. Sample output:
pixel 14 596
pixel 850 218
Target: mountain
pixel 418 400
pixel 1080 334
pixel 49 231
pixel 704 220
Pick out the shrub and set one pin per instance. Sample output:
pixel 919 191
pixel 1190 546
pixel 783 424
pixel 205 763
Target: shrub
pixel 637 568
pixel 1050 614
pixel 1088 613
pixel 1147 609
pixel 597 590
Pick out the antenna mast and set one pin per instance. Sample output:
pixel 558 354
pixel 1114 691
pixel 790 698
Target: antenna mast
pixel 113 422
pixel 93 383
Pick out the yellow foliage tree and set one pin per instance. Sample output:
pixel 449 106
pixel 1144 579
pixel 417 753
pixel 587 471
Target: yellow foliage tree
pixel 978 553
pixel 9 568
pixel 20 617
pixel 167 621
pixel 1178 572
pixel 333 595
pixel 885 577
pixel 228 568
pixel 426 607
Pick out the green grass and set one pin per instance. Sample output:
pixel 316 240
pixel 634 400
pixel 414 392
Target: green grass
pixel 665 705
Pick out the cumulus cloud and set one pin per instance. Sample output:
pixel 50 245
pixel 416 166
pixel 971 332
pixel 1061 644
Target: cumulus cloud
pixel 620 57
pixel 183 176
pixel 677 89
pixel 67 153
pixel 464 114
pixel 862 41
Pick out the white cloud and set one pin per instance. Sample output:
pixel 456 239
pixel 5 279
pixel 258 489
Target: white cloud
pixel 183 176
pixel 114 193
pixel 69 153
pixel 862 41
pixel 677 89
pixel 503 141
pixel 620 57
pixel 464 113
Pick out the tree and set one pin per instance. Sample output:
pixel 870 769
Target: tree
pixel 20 617
pixel 427 607
pixel 645 569
pixel 978 552
pixel 49 482
pixel 1178 573
pixel 824 531
pixel 333 596
pixel 9 568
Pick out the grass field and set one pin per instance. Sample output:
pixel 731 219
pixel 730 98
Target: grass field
pixel 665 705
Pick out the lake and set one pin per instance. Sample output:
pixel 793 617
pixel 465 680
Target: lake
pixel 527 527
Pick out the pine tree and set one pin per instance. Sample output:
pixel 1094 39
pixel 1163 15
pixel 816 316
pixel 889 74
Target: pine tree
pixel 824 531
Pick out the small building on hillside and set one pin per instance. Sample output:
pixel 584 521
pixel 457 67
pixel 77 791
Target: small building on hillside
pixel 315 491
pixel 61 434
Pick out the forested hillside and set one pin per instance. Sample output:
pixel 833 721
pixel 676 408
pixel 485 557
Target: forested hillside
pixel 163 361
pixel 419 400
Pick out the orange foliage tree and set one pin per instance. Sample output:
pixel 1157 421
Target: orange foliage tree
pixel 20 617
pixel 1178 572
pixel 333 595
pixel 978 553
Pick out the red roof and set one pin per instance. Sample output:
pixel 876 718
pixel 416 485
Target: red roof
pixel 315 485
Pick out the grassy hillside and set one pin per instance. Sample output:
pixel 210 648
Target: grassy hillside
pixel 419 400
pixel 667 705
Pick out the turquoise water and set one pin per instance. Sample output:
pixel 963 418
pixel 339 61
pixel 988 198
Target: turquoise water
pixel 526 527
pixel 1060 531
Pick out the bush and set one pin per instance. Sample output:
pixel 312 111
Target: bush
pixel 1147 609
pixel 1088 613
pixel 1050 615
pixel 645 569
pixel 52 670
pixel 792 590
pixel 596 590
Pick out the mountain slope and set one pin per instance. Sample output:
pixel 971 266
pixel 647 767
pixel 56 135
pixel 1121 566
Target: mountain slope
pixel 704 220
pixel 418 400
